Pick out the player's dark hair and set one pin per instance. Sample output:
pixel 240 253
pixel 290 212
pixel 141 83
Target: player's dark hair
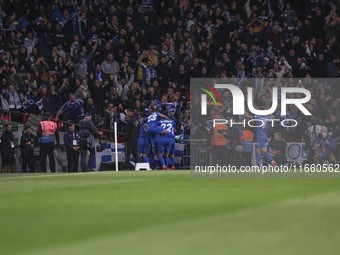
pixel 166 113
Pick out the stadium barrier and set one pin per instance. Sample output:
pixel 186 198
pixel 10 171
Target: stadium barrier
pixel 190 150
pixel 200 153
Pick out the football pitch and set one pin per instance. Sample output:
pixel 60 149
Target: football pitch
pixel 167 212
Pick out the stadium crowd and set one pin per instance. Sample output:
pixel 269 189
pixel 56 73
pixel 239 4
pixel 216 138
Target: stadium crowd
pixel 70 57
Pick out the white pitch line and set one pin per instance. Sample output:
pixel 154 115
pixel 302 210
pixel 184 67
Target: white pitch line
pixel 49 175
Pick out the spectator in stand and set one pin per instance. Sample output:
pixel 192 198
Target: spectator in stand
pixel 74 108
pixel 97 74
pixel 109 66
pixel 122 85
pixel 148 72
pixel 10 100
pixel 83 92
pixel 94 41
pixel 113 97
pixel 111 115
pixel 49 74
pixel 91 108
pixel 33 103
pixel 80 67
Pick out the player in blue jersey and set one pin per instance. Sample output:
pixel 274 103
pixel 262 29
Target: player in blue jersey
pixel 143 140
pixel 153 129
pixel 164 143
pixel 264 123
pixel 172 156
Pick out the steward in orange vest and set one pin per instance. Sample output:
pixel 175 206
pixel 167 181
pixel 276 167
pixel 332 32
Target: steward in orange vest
pixel 46 136
pixel 219 135
pixel 220 145
pixel 248 140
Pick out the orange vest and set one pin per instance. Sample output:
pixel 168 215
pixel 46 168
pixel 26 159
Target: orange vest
pixel 218 138
pixel 248 135
pixel 48 129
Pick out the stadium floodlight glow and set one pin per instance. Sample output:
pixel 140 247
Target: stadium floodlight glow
pixel 238 100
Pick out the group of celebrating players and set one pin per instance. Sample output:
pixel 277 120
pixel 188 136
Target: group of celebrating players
pixel 157 130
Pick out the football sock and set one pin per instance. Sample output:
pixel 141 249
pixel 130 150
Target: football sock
pixel 146 159
pixel 167 162
pixel 173 161
pixel 258 159
pixel 152 162
pixel 157 162
pixel 161 159
pixel 268 156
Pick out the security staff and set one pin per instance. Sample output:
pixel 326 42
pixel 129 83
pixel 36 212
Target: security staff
pixel 46 136
pixel 27 149
pixel 7 149
pixel 87 129
pixel 248 146
pixel 71 141
pixel 131 135
pixel 220 146
pixel 237 139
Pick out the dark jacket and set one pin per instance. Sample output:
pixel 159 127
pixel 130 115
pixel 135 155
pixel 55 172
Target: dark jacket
pixel 87 127
pixel 69 136
pixel 278 150
pixel 25 144
pixel 110 119
pixel 132 128
pixel 7 142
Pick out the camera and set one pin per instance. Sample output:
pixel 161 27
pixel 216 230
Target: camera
pixel 221 131
pixel 322 135
pixel 317 145
pixel 101 146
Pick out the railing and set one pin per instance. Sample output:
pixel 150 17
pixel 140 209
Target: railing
pixel 65 123
pixel 200 153
pixel 195 150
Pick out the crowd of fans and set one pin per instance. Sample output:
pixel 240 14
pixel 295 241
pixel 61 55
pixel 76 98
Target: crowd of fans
pixel 70 57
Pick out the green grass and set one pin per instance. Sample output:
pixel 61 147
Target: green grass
pixel 167 212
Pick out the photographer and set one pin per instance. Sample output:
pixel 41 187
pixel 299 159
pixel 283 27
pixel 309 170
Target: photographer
pixel 324 147
pixel 278 149
pixel 87 129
